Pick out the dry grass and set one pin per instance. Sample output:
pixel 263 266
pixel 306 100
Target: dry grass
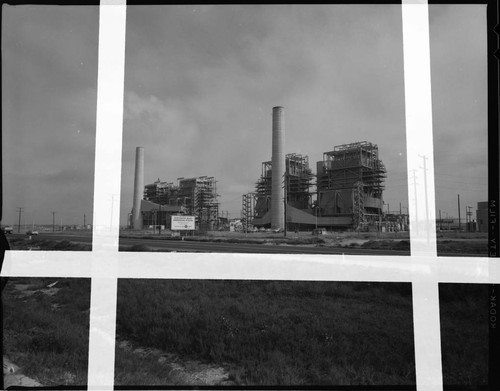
pixel 276 333
pixel 47 336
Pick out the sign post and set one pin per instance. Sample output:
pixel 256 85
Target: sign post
pixel 182 223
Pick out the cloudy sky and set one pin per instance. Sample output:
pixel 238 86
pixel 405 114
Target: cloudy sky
pixel 200 84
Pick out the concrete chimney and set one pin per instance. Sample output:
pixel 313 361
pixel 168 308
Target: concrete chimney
pixel 278 170
pixel 138 188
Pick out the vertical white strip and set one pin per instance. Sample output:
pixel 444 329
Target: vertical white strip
pixel 420 155
pixel 108 149
pixel 107 182
pixel 427 335
pixel 419 138
pixel 102 337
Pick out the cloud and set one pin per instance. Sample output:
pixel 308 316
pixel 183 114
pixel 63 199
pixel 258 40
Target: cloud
pixel 164 126
pixel 201 81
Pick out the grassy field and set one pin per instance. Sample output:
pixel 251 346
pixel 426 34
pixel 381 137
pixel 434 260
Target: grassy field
pixel 464 333
pixel 449 243
pixel 45 331
pixel 267 332
pixel 40 243
pixel 275 333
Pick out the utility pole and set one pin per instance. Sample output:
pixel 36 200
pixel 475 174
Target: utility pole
pixel 84 222
pixel 440 221
pixel 459 225
pixel 159 225
pixel 20 210
pixel 466 220
pixel 425 189
pixel 284 199
pixel 416 205
pixel 400 208
pixel 53 221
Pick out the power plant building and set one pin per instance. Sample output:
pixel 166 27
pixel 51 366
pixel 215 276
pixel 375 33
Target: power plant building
pixel 164 193
pixel 345 193
pixel 199 197
pixel 349 187
pixel 192 196
pixel 350 182
pixel 482 216
pixel 155 203
pixel 298 177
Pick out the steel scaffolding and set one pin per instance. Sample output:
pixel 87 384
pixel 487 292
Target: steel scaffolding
pixel 298 182
pixel 163 193
pixel 352 169
pixel 199 197
pixel 247 210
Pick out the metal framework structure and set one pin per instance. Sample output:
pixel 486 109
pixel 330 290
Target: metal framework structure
pixel 263 190
pixel 350 181
pixel 298 179
pixel 358 215
pixel 247 210
pixel 163 193
pixel 199 197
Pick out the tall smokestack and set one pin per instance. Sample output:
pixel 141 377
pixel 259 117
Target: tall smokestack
pixel 278 170
pixel 138 188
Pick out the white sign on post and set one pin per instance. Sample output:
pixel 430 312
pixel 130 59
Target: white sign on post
pixel 182 223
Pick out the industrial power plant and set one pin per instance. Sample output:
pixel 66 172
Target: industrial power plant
pixel 155 203
pixel 345 193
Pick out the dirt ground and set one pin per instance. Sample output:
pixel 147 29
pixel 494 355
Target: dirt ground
pixel 475 244
pixel 186 372
pixel 13 376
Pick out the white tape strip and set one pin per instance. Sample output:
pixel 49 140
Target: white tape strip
pixel 252 266
pixel 427 335
pixel 420 160
pixel 419 137
pixel 423 268
pixel 107 184
pixel 109 127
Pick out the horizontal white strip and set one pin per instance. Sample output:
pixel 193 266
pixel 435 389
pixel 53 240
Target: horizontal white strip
pixel 77 264
pixel 252 266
